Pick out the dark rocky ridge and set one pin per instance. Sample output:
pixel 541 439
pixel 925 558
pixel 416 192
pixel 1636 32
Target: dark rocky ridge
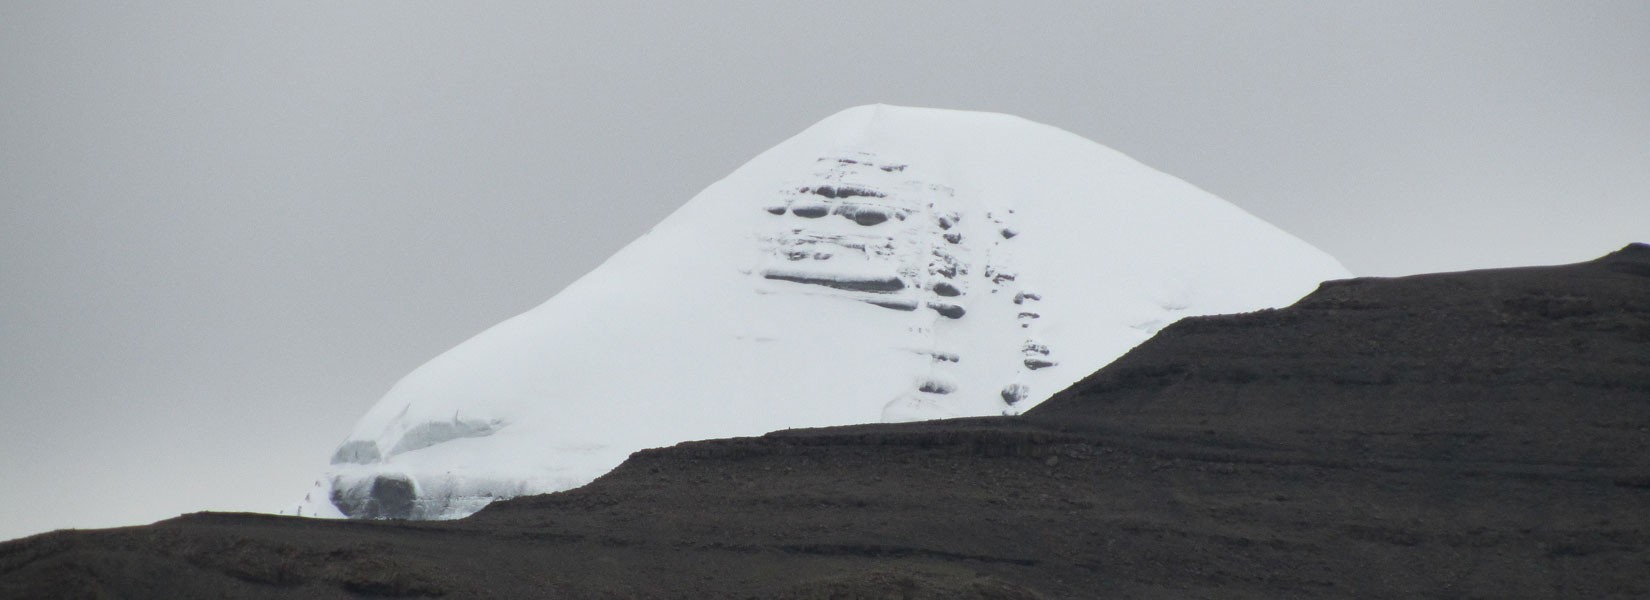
pixel 1466 435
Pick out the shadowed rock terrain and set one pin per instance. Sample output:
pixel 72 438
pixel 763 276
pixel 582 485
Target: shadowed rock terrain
pixel 1483 434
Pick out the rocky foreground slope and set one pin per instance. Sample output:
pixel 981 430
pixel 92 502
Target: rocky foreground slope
pixel 1479 434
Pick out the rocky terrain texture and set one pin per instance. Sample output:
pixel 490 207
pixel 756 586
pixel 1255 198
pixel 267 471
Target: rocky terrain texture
pixel 1482 434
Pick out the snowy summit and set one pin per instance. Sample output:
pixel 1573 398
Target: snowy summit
pixel 886 264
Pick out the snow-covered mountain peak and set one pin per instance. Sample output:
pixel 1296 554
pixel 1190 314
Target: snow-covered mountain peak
pixel 887 263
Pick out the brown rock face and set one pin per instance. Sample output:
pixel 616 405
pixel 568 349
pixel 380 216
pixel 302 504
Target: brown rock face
pixel 1479 434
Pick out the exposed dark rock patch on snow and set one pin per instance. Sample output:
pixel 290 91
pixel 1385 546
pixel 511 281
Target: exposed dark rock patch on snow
pixel 948 310
pixel 810 211
pixel 864 214
pixel 895 304
pixel 1482 434
pixel 843 282
pixel 936 387
pixel 1013 393
pixel 945 356
pixel 842 191
pixel 388 497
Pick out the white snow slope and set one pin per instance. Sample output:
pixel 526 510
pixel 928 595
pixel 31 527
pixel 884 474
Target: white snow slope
pixel 886 264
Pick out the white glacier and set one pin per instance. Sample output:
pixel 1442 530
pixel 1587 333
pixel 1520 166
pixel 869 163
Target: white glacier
pixel 886 264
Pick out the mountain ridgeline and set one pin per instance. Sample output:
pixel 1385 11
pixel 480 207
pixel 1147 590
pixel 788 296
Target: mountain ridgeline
pixel 1482 434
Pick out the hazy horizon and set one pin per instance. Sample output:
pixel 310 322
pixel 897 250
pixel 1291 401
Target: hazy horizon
pixel 229 228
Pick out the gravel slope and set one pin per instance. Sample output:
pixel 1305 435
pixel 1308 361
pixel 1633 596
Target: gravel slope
pixel 1463 435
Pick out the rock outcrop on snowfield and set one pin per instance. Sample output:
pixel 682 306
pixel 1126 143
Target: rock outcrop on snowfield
pixel 886 264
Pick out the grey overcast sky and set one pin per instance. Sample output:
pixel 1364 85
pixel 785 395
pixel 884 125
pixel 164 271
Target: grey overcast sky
pixel 226 228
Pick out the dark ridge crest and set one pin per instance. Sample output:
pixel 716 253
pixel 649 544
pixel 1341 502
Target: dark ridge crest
pixel 1483 433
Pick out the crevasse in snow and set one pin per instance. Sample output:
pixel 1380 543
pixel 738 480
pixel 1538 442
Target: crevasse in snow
pixel 886 264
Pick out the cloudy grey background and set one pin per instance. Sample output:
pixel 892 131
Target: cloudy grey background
pixel 226 229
